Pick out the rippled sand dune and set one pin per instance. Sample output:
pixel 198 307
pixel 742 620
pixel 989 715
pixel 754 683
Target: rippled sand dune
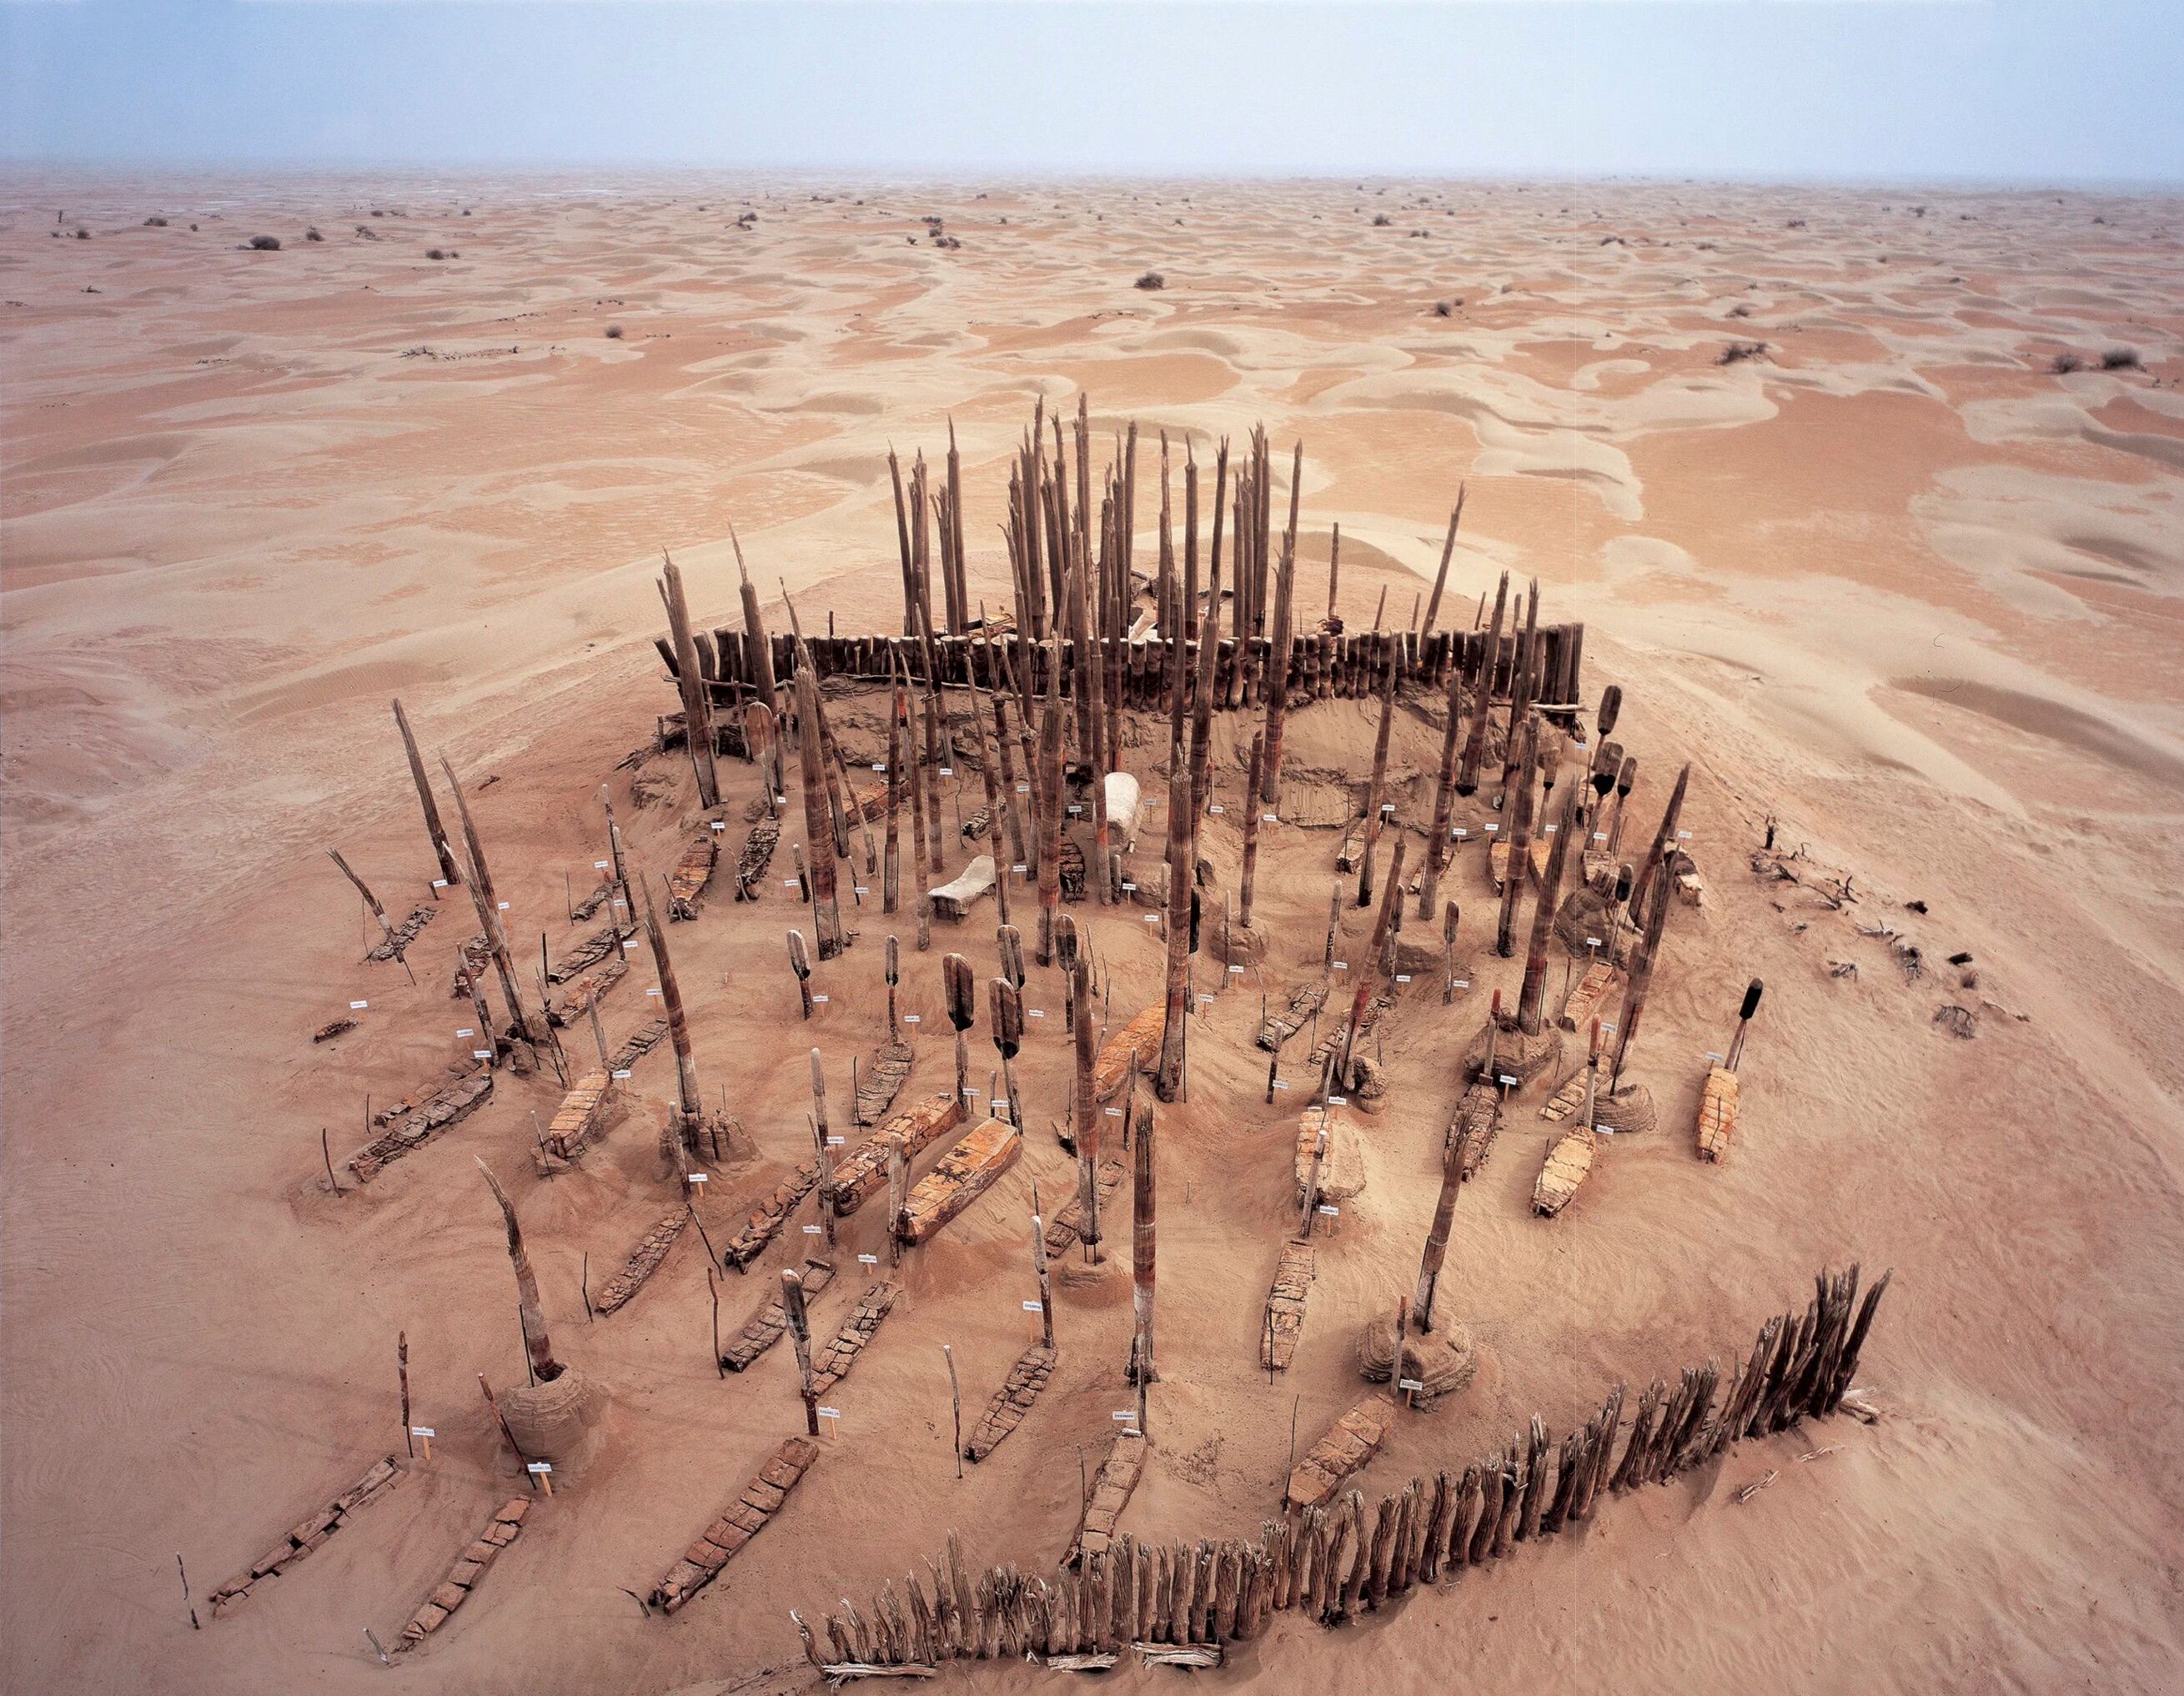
pixel 1895 581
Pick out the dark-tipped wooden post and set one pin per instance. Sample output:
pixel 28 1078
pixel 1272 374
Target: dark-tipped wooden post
pixel 697 709
pixel 799 1336
pixel 824 1145
pixel 1534 993
pixel 1006 1008
pixel 1752 993
pixel 894 976
pixel 1181 828
pixel 1252 820
pixel 537 1346
pixel 1520 842
pixel 799 962
pixel 1142 1370
pixel 1039 1268
pixel 1664 843
pixel 1448 921
pixel 1377 788
pixel 1626 778
pixel 443 850
pixel 1065 959
pixel 1474 749
pixel 962 992
pixel 1441 577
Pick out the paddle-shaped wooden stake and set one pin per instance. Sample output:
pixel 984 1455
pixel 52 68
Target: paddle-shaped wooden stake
pixel 1007 1008
pixel 962 993
pixel 799 1335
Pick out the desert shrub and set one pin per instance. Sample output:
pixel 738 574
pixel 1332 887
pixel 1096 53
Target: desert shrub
pixel 1152 279
pixel 435 254
pixel 1444 309
pixel 1741 309
pixel 265 244
pixel 155 222
pixel 2121 360
pixel 1736 352
pixel 2065 363
pixel 313 234
pixel 614 332
pixel 1380 220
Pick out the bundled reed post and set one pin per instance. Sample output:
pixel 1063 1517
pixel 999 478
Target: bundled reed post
pixel 443 851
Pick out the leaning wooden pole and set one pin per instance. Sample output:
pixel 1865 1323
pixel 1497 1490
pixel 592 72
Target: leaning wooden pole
pixel 1253 819
pixel 1475 749
pixel 1520 840
pixel 537 1344
pixel 1534 993
pixel 690 1102
pixel 1441 577
pixel 1048 783
pixel 1370 966
pixel 757 646
pixel 818 837
pixel 443 850
pixel 489 922
pixel 799 1336
pixel 1642 979
pixel 1664 843
pixel 1378 787
pixel 1436 1252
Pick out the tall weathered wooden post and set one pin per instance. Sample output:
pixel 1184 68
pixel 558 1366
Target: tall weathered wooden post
pixel 443 850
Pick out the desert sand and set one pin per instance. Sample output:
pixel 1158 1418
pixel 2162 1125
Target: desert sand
pixel 1895 583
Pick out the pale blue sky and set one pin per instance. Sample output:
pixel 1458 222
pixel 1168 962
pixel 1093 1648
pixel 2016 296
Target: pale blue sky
pixel 2073 91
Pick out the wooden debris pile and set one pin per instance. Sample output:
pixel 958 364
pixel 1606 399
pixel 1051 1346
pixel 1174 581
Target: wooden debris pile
pixel 1303 1006
pixel 470 1565
pixel 413 1123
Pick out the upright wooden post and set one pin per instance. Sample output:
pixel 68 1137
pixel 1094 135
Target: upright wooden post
pixel 962 993
pixel 690 1104
pixel 489 920
pixel 891 874
pixel 1142 1370
pixel 1045 1281
pixel 799 1335
pixel 1087 1115
pixel 1664 843
pixel 1251 823
pixel 1437 839
pixel 1370 965
pixel 1441 577
pixel 1642 979
pixel 1050 806
pixel 1007 1012
pixel 442 849
pixel 758 647
pixel 826 909
pixel 824 1143
pixel 1181 829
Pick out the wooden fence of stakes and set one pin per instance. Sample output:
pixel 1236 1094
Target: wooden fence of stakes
pixel 1184 1602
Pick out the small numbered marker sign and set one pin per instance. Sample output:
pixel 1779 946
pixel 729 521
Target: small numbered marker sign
pixel 358 1006
pixel 868 1259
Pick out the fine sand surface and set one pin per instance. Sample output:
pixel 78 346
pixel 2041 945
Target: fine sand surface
pixel 1895 584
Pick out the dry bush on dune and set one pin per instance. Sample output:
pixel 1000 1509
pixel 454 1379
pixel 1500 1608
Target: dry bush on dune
pixel 1152 279
pixel 313 234
pixel 1741 309
pixel 614 332
pixel 155 222
pixel 1736 352
pixel 1444 309
pixel 1380 220
pixel 264 244
pixel 2122 360
pixel 435 254
pixel 2065 363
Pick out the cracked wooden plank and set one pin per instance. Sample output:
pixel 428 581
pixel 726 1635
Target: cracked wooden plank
pixel 1349 1443
pixel 754 856
pixel 965 1173
pixel 686 884
pixel 577 1116
pixel 881 1079
pixel 404 933
pixel 744 1519
pixel 643 1261
pixel 1112 1491
pixel 1027 1378
pixel 1717 1122
pixel 585 955
pixel 1586 996
pixel 1476 1123
pixel 764 1221
pixel 1067 1224
pixel 864 1173
pixel 1305 1003
pixel 763 1329
pixel 831 1364
pixel 1293 1275
pixel 463 1577
pixel 306 1535
pixel 584 992
pixel 1568 1164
